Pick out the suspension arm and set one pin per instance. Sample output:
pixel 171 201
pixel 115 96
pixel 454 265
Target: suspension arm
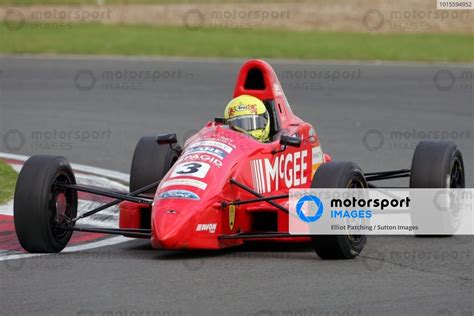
pixel 385 175
pixel 258 195
pixel 117 201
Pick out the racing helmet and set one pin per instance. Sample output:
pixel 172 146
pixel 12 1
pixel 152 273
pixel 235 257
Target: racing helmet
pixel 248 114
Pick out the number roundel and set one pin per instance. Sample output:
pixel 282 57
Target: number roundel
pixel 191 169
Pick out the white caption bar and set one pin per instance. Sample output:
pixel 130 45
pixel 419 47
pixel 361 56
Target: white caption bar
pixel 381 211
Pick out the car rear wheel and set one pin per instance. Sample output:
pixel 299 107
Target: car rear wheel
pixel 40 208
pixel 338 175
pixel 151 161
pixel 438 164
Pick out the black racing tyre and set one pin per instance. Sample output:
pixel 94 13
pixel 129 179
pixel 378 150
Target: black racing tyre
pixel 338 175
pixel 438 164
pixel 40 207
pixel 151 162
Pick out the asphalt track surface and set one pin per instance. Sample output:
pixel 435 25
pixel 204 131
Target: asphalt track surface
pixel 357 119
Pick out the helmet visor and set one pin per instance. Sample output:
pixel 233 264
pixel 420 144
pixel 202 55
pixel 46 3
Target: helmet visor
pixel 248 122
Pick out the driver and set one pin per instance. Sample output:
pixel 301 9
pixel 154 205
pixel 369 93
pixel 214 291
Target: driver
pixel 248 114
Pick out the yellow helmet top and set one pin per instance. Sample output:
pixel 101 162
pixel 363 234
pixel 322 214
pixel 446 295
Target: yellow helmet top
pixel 249 115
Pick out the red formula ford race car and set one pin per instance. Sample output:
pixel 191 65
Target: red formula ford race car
pixel 221 189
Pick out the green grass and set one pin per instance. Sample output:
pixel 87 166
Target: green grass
pixel 7 182
pixel 180 41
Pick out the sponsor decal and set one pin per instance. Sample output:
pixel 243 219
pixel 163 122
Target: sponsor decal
pixel 212 143
pixel 207 150
pixel 312 136
pixel 287 170
pixel 317 159
pixel 191 169
pixel 211 228
pixel 317 155
pixel 226 141
pixel 202 157
pixel 178 194
pixel 231 216
pixel 243 107
pixel 189 182
pixel 277 89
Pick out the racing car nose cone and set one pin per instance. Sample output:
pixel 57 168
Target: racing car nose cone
pixel 169 231
pixel 165 242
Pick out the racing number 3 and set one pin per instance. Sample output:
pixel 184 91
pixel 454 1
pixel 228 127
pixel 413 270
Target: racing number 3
pixel 191 169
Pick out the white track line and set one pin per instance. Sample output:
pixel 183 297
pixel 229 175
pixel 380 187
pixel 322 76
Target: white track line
pixel 6 209
pixel 114 175
pixel 72 249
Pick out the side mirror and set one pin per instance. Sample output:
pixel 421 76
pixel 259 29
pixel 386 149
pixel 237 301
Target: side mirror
pixel 292 141
pixel 166 139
